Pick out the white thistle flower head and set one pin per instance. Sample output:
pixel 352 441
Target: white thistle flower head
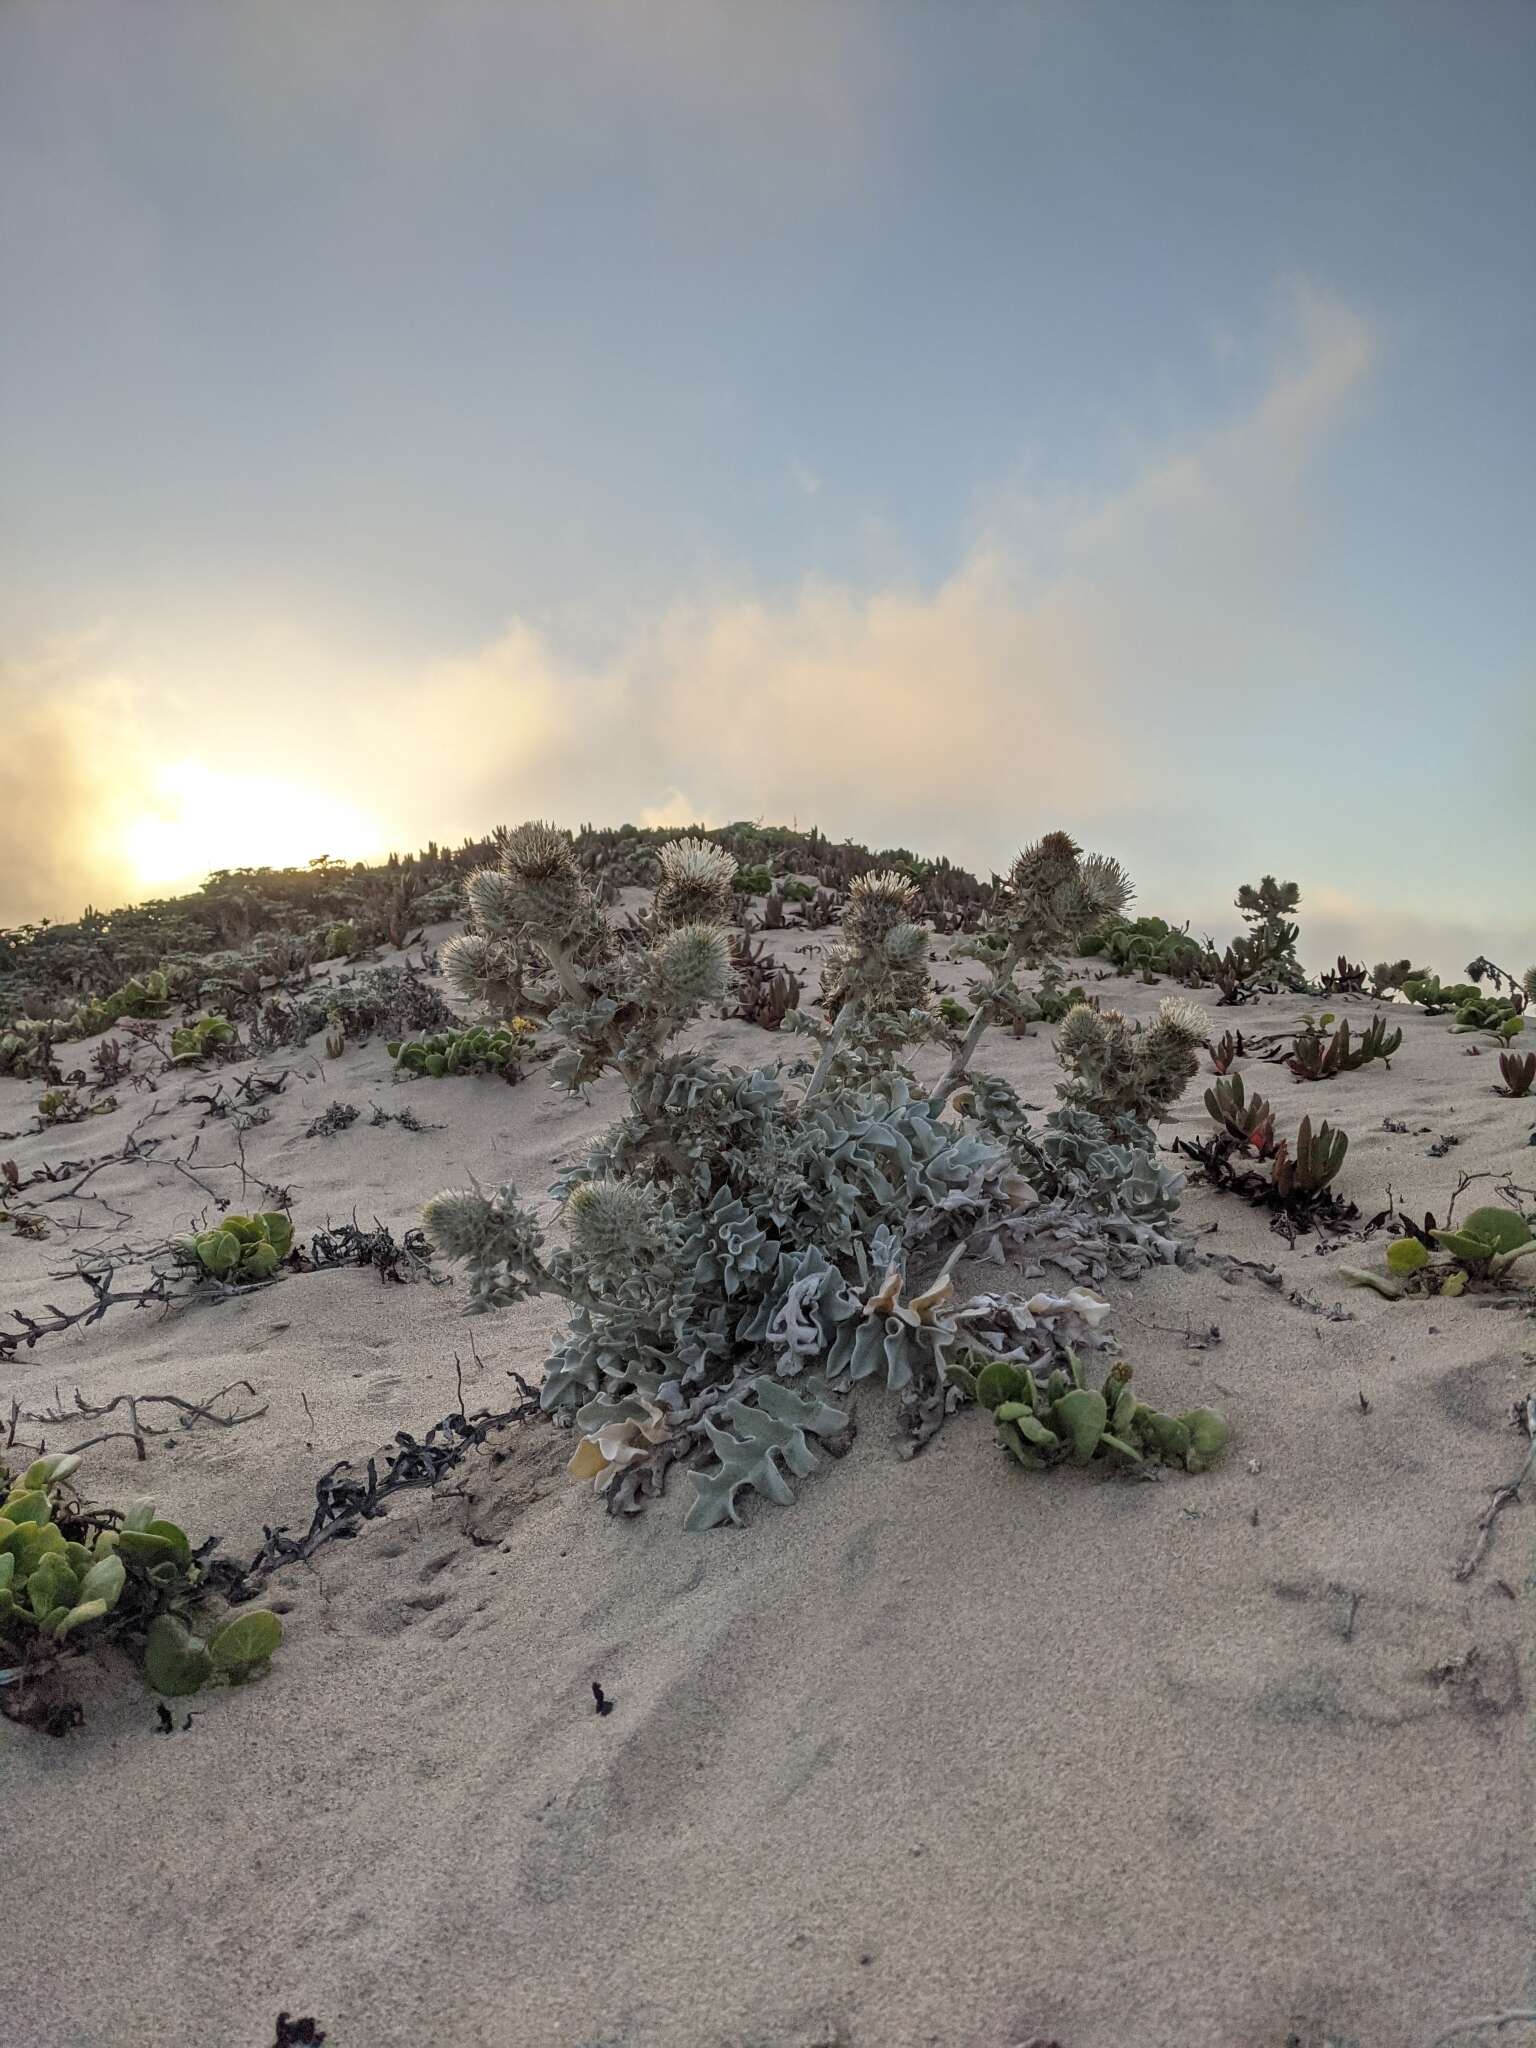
pixel 492 900
pixel 886 888
pixel 697 880
pixel 696 860
pixel 1083 1029
pixel 1181 1018
pixel 877 902
pixel 1105 884
pixel 536 851
pixel 691 965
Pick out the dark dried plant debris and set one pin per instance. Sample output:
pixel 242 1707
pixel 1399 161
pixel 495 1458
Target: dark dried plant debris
pixel 343 1503
pixel 399 1260
pixel 331 1122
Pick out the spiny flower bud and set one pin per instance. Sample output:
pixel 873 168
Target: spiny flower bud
pixel 473 966
pixel 458 1221
pixel 488 1230
pixel 877 902
pixel 690 965
pixel 1083 1030
pixel 536 851
pixel 906 945
pixel 1046 863
pixel 492 901
pixel 696 882
pixel 614 1220
pixel 545 889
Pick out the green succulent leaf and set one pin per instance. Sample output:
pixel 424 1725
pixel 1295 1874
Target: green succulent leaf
pixel 243 1646
pixel 176 1662
pixel 1083 1416
pixel 999 1382
pixel 74 1617
pixel 1407 1255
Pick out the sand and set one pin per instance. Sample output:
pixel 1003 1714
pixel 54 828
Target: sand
pixel 945 1754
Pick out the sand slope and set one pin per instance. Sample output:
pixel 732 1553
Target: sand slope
pixel 946 1754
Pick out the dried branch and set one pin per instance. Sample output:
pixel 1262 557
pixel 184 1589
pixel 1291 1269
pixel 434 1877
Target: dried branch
pixel 1501 1499
pixel 343 1504
pixel 189 1413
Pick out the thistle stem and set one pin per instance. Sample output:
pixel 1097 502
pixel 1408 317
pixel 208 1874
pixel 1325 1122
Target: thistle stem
pixel 565 968
pixel 959 1066
pixel 830 1050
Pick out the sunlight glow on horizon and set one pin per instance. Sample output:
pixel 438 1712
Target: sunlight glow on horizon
pixel 201 819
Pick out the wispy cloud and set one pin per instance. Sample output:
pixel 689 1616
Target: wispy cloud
pixel 1070 671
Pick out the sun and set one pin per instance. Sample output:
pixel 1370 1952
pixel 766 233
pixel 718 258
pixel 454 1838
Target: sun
pixel 201 818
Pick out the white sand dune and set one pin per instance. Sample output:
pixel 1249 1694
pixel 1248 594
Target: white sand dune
pixel 947 1754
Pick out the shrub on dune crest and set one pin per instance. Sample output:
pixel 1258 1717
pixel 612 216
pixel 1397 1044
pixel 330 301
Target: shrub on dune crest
pixel 738 1243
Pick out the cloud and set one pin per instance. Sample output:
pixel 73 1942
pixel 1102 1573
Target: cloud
pixel 1059 674
pixel 67 777
pixel 1079 667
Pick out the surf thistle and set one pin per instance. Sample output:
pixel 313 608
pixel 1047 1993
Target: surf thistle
pixel 1120 1072
pixel 1055 893
pixel 497 1236
pixel 698 880
pixel 1053 896
pixel 615 1224
pixel 691 965
pixel 482 971
pixel 731 1232
pixel 875 980
pixel 542 886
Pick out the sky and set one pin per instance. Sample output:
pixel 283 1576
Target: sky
pixel 940 423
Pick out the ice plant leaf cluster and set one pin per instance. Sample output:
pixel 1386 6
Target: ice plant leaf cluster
pixel 73 1577
pixel 482 1049
pixel 739 1250
pixel 240 1248
pixel 1042 1422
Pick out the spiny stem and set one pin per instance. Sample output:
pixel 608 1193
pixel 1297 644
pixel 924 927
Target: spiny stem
pixel 829 1051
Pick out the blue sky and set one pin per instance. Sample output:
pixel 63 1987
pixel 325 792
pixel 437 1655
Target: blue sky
pixel 938 421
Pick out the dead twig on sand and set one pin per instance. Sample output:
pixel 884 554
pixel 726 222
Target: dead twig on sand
pixel 103 1296
pixel 343 1504
pixel 1500 1501
pixel 1497 2020
pixel 189 1414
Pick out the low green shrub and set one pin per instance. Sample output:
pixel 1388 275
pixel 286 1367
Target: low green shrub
pixel 63 1106
pixel 202 1037
pixel 26 1049
pixel 1040 1425
pixel 240 1247
pixel 1142 945
pixel 1433 996
pixel 146 996
pixel 1480 1250
pixel 483 1049
pixel 73 1577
